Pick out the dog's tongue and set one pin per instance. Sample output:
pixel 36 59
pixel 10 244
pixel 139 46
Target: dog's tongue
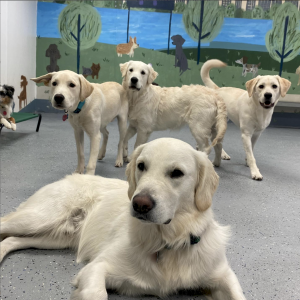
pixel 4 113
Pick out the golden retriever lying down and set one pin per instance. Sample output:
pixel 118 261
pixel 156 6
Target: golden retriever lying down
pixel 163 239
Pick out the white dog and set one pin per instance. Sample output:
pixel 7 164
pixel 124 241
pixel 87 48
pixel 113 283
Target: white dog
pixel 91 107
pixel 162 240
pixel 250 110
pixel 154 108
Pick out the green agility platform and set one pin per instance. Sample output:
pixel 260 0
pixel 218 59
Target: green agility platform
pixel 21 117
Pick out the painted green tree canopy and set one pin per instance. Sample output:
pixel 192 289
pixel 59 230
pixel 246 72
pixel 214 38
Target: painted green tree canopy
pixel 213 18
pixel 275 37
pixel 67 23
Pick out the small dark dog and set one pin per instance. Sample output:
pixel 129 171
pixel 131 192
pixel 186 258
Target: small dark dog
pixel 180 58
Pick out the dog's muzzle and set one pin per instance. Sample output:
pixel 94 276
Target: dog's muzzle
pixel 142 204
pixel 59 98
pixel 133 83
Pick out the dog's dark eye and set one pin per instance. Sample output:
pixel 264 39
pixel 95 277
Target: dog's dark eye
pixel 176 173
pixel 143 73
pixel 141 166
pixel 261 86
pixel 130 70
pixel 274 86
pixel 72 85
pixel 54 83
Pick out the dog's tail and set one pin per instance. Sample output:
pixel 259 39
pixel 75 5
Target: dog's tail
pixel 221 123
pixel 204 73
pixel 258 64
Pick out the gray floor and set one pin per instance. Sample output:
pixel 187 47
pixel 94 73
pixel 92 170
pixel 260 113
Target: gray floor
pixel 265 216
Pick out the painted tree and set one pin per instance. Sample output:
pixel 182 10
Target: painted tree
pixel 283 40
pixel 258 12
pixel 230 10
pixel 203 20
pixel 80 27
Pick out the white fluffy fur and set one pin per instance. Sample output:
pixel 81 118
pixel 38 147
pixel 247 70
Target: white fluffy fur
pixel 246 109
pixel 94 216
pixel 103 103
pixel 153 108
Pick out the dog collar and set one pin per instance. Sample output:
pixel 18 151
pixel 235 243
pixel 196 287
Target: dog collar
pixel 76 111
pixel 79 107
pixel 193 241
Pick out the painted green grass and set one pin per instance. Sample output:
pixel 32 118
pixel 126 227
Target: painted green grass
pixel 229 56
pixel 106 55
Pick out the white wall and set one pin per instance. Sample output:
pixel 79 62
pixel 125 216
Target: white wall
pixel 18 45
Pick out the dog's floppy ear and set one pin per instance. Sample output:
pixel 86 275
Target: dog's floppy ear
pixel 208 181
pixel 152 74
pixel 250 85
pixel 245 59
pixel 123 68
pixel 45 78
pixel 86 88
pixel 10 90
pixel 130 170
pixel 284 85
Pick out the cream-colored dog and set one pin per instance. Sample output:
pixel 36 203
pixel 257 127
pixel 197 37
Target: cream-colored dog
pixel 250 110
pixel 162 239
pixel 153 108
pixel 103 103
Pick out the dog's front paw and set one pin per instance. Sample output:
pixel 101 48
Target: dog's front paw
pixel 126 159
pixel 5 123
pixel 79 170
pixel 89 294
pixel 256 176
pixel 101 156
pixel 13 126
pixel 119 163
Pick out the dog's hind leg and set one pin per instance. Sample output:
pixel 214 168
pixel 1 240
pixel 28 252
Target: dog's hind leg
pixel 102 150
pixel 201 136
pixel 218 149
pixel 43 242
pixel 122 124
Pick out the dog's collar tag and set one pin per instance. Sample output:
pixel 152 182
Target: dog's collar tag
pixel 193 241
pixel 65 116
pixel 79 107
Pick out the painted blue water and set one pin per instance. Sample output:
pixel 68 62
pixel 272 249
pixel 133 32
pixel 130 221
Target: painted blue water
pixel 151 29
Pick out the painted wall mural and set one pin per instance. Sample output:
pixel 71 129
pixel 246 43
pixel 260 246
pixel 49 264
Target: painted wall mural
pixel 176 37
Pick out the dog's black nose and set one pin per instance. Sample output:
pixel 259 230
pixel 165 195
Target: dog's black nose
pixel 134 80
pixel 142 203
pixel 268 95
pixel 59 98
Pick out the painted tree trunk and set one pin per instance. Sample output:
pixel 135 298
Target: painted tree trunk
pixel 200 31
pixel 78 44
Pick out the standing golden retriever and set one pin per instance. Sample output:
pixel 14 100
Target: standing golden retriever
pixel 101 104
pixel 250 110
pixel 162 239
pixel 153 108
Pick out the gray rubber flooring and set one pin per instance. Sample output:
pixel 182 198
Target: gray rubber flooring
pixel 264 250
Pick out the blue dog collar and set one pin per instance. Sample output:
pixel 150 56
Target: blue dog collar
pixel 79 107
